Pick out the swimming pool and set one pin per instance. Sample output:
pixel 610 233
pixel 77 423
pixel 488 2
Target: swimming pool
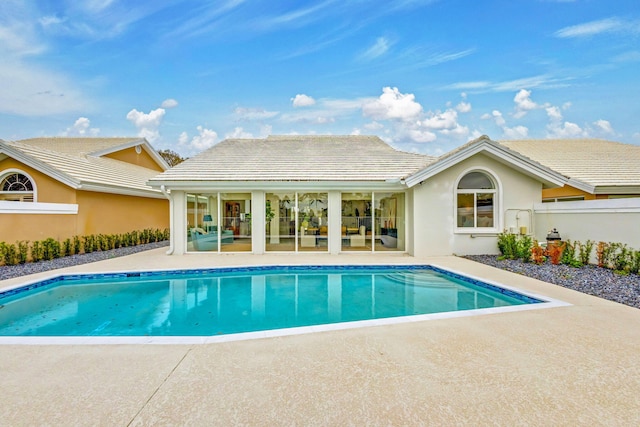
pixel 229 301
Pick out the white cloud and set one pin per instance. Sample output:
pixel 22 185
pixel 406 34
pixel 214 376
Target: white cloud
pixel 169 103
pixel 497 117
pixel 379 48
pixel 238 132
pixel 244 113
pixel 557 128
pixel 445 120
pixel 463 107
pixel 206 138
pixel 554 113
pixel 81 127
pixel 147 124
pixel 29 91
pixel 516 132
pixel 392 105
pixel 421 135
pixel 524 104
pixel 302 100
pixel 603 126
pixel 601 26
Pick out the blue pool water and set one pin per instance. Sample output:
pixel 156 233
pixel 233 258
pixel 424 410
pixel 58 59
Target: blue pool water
pixel 233 300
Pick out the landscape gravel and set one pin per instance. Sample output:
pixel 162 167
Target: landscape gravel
pixel 11 271
pixel 600 282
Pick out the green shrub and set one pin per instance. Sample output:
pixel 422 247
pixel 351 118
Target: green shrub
pixel 634 265
pixel 77 245
pixel 524 244
pixel 585 252
pixel 23 251
pixel 67 247
pixel 37 252
pixel 620 257
pixel 507 245
pixel 569 255
pixel 50 249
pixel 9 253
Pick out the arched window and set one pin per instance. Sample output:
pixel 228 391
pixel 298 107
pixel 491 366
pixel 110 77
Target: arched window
pixel 476 201
pixel 16 187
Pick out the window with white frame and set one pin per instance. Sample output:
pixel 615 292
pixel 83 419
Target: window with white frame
pixel 16 187
pixel 476 196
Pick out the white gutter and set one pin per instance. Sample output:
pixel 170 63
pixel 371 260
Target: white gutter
pixel 166 194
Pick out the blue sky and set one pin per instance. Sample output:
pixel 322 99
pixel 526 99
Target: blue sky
pixel 424 75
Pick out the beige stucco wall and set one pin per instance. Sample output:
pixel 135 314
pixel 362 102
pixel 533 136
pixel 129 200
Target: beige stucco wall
pixel 614 220
pixel 130 156
pixel 48 190
pixel 112 213
pixel 434 208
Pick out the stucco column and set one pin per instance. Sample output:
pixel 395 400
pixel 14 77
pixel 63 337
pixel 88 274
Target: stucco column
pixel 335 221
pixel 179 232
pixel 258 222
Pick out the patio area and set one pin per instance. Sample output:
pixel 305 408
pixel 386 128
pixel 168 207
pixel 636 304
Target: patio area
pixel 573 365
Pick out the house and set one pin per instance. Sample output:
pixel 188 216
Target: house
pixel 598 169
pixel 334 194
pixel 61 187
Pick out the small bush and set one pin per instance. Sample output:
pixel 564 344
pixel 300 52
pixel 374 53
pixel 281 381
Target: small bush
pixel 50 249
pixel 23 251
pixel 67 248
pixel 523 248
pixel 507 245
pixel 634 265
pixel 585 251
pixel 620 257
pixel 37 252
pixel 77 245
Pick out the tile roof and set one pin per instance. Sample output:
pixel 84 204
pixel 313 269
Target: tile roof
pixel 68 159
pixel 596 162
pixel 298 158
pixel 76 145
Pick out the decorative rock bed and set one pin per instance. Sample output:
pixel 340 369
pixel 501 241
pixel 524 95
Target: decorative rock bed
pixel 600 282
pixel 10 271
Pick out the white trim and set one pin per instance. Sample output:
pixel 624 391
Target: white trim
pixel 38 208
pixel 138 142
pixel 496 151
pixel 6 172
pixel 104 188
pixel 225 186
pixel 576 183
pixel 630 205
pixel 497 203
pixel 28 160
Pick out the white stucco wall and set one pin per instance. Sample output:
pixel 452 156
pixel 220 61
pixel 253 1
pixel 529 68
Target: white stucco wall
pixel 615 220
pixel 434 208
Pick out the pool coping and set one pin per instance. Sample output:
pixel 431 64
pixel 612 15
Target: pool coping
pixel 545 302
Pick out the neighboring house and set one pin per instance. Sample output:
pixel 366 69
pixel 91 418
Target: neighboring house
pixel 61 187
pixel 333 194
pixel 597 169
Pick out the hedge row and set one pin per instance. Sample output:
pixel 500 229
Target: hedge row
pixel 616 256
pixel 48 249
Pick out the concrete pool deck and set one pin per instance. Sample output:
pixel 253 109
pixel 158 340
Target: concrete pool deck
pixel 571 365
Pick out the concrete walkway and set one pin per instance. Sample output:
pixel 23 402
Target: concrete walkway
pixel 573 365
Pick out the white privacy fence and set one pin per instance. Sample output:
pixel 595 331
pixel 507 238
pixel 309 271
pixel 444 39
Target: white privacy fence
pixel 610 220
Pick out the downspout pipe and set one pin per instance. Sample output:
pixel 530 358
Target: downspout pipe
pixel 166 194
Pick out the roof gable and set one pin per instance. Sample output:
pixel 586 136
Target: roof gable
pixel 494 150
pixel 96 147
pixel 80 170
